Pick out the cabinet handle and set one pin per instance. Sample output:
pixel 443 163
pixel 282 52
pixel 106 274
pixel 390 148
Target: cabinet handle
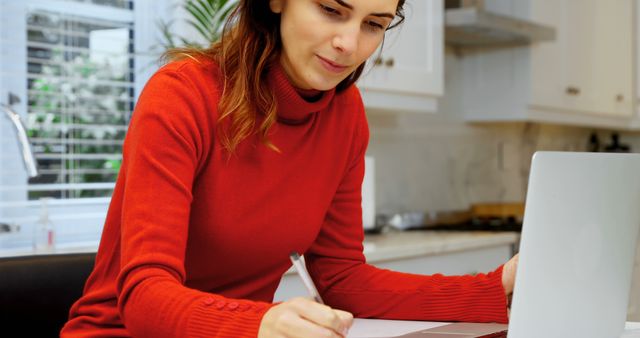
pixel 377 61
pixel 389 63
pixel 619 97
pixel 573 90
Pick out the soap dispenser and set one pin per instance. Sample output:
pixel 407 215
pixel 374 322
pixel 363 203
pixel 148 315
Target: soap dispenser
pixel 594 143
pixel 44 235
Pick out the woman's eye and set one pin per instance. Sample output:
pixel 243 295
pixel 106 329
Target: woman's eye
pixel 329 10
pixel 374 25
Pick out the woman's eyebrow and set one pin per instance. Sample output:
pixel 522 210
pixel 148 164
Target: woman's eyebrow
pixel 346 5
pixel 384 15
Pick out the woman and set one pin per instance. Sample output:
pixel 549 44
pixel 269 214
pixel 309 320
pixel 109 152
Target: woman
pixel 241 154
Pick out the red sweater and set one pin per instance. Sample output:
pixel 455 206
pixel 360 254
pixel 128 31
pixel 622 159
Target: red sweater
pixel 195 242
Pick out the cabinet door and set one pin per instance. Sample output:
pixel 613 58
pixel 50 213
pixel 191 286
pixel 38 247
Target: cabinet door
pixel 588 68
pixel 411 59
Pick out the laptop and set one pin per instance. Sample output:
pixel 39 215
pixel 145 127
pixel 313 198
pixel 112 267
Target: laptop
pixel 577 248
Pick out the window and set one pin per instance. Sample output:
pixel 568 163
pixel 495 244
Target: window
pixel 79 100
pixel 76 67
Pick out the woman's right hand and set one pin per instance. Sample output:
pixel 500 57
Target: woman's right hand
pixel 302 317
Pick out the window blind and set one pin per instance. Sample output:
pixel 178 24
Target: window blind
pixel 111 3
pixel 80 96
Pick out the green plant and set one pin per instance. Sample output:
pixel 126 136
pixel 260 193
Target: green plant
pixel 207 17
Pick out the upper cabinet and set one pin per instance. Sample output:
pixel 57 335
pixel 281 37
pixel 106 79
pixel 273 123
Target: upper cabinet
pixel 588 68
pixel 408 74
pixel 585 76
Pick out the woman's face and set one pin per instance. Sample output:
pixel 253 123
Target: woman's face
pixel 323 41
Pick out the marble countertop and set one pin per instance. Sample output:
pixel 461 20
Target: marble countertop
pixel 399 245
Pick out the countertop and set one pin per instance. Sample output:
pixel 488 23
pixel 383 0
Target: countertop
pixel 406 244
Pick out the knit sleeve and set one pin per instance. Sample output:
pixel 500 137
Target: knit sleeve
pixel 338 266
pixel 165 146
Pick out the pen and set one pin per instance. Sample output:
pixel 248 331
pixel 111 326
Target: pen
pixel 304 275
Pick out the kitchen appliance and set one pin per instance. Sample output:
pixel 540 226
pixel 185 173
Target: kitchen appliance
pixel 425 220
pixel 479 217
pixel 468 24
pixel 368 195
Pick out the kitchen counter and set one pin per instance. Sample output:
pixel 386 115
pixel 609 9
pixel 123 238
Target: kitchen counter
pixel 399 245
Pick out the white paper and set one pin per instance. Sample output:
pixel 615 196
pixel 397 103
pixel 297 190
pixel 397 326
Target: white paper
pixel 371 328
pixel 632 330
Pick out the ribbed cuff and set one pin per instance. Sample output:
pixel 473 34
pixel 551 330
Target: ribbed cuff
pixel 478 298
pixel 222 317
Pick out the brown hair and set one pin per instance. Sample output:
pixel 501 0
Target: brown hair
pixel 249 43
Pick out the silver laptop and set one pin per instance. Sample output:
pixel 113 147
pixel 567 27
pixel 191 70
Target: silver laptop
pixel 576 253
pixel 578 244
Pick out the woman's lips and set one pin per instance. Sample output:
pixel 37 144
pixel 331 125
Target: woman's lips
pixel 331 66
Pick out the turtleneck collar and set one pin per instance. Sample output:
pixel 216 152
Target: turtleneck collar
pixel 292 106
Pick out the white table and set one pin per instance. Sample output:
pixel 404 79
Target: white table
pixel 388 328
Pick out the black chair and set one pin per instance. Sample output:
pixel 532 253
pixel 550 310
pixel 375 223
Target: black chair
pixel 36 292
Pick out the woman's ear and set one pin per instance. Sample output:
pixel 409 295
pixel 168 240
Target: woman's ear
pixel 276 6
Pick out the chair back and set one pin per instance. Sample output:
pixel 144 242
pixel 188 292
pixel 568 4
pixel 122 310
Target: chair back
pixel 36 292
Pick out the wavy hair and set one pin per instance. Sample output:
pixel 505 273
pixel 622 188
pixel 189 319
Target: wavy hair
pixel 250 42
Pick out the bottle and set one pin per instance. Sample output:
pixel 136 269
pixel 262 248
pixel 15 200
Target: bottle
pixel 594 143
pixel 44 236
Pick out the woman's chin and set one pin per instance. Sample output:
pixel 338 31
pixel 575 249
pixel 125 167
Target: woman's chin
pixel 325 85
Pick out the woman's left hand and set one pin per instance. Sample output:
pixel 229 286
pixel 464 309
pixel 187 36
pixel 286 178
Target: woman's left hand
pixel 509 279
pixel 509 274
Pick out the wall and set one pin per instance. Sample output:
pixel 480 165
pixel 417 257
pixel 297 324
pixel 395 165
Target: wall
pixel 436 162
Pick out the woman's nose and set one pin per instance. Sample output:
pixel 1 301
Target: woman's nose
pixel 346 40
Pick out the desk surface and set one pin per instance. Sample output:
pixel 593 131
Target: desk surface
pixel 388 328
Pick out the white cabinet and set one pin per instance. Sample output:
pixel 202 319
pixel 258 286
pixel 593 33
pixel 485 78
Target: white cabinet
pixel 588 67
pixel 584 77
pixel 408 74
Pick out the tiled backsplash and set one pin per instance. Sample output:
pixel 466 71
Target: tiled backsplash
pixel 428 162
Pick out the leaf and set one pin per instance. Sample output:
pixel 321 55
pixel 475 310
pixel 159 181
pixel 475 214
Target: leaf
pixel 207 7
pixel 167 35
pixel 188 43
pixel 202 22
pixel 207 17
pixel 223 12
pixel 202 32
